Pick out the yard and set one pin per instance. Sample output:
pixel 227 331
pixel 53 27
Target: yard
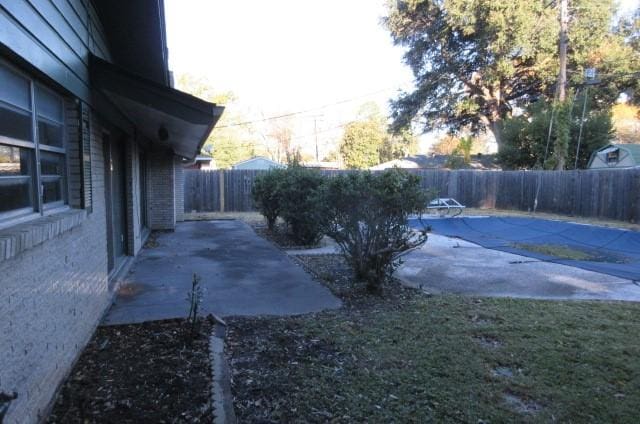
pixel 408 357
pixel 398 356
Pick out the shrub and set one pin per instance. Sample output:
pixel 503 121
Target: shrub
pixel 301 204
pixel 266 194
pixel 367 215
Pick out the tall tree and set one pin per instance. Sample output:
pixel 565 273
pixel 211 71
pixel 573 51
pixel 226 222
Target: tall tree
pixel 474 61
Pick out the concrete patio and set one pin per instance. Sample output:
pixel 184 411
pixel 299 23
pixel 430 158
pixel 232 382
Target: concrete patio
pixel 241 274
pixel 451 265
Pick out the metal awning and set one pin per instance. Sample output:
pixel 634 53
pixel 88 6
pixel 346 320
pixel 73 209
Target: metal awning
pixel 166 116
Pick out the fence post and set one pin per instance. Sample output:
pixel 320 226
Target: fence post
pixel 221 190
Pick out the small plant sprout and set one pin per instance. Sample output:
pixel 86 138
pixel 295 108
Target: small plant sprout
pixel 194 298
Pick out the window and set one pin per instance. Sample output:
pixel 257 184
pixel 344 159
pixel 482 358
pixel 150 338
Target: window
pixel 613 156
pixel 32 146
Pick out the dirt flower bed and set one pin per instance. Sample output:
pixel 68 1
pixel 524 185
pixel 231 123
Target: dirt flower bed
pixel 150 372
pixel 407 357
pixel 280 236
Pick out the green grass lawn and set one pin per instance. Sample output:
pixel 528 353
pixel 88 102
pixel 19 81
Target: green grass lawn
pixel 414 358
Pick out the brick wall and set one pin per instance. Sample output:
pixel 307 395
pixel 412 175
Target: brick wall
pixel 52 297
pixel 179 189
pixel 160 190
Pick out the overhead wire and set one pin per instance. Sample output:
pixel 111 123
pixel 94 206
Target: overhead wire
pixel 301 112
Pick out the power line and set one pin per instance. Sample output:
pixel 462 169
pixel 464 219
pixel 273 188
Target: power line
pixel 326 130
pixel 300 112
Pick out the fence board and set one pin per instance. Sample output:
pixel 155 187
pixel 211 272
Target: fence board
pixel 611 194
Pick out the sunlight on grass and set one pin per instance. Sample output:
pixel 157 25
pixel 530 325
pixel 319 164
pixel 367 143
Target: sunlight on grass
pixel 558 251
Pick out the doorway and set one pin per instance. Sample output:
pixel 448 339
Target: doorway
pixel 115 201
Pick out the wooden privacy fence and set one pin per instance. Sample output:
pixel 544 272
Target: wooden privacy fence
pixel 612 194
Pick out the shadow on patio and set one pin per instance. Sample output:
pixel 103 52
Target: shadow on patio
pixel 241 274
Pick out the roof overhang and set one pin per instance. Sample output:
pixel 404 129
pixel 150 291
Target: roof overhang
pixel 168 117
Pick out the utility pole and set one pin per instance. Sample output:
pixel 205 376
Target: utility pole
pixel 562 50
pixel 315 132
pixel 563 127
pixel 316 118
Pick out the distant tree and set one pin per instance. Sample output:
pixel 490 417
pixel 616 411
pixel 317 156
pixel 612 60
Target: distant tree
pixel 627 64
pixel 446 145
pixel 464 149
pixel 626 120
pixel 228 151
pixel 397 146
pixel 332 156
pixel 525 137
pixel 475 60
pixel 226 144
pixel 361 144
pixel 449 144
pixel 282 133
pixel 201 87
pixel 363 139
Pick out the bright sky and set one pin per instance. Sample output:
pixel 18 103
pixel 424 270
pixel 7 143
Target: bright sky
pixel 283 56
pixel 286 55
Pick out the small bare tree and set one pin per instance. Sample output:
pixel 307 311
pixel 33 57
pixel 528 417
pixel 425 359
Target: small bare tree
pixel 194 298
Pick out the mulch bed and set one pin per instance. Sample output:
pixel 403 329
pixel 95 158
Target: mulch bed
pixel 150 372
pixel 333 271
pixel 280 236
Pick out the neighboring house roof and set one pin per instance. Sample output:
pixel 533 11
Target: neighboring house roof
pixel 630 156
pixel 258 162
pixel 322 165
pixel 436 162
pixel 634 149
pixel 202 158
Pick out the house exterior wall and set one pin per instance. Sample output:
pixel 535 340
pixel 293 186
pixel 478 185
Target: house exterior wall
pixel 55 37
pixel 52 296
pixel 601 163
pixel 54 279
pixel 160 190
pixel 179 189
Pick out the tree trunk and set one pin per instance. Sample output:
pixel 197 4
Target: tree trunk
pixel 496 129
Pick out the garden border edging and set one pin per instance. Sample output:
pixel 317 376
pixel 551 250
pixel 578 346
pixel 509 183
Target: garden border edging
pixel 221 397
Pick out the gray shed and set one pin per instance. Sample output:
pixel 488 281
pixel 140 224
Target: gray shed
pixel 616 156
pixel 258 163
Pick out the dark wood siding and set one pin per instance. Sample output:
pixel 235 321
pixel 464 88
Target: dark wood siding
pixel 56 37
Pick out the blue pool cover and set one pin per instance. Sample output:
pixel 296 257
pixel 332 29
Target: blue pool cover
pixel 611 251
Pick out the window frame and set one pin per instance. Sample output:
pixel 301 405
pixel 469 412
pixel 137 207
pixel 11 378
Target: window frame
pixel 39 208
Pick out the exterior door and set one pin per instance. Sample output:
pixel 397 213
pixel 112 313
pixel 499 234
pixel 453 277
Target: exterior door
pixel 116 204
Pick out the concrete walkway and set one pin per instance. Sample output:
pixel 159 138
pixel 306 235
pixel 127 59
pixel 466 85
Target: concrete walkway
pixel 241 274
pixel 448 265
